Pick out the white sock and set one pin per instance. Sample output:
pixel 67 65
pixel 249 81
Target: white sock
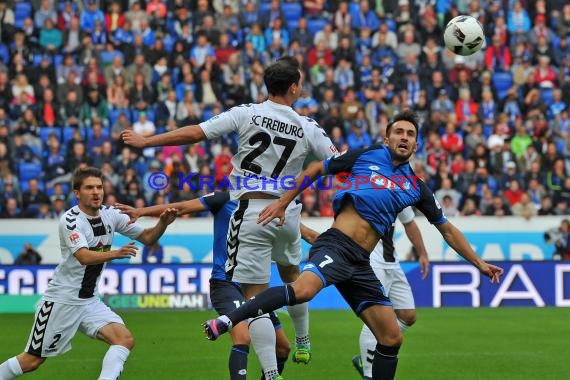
pixel 262 334
pixel 113 362
pixel 300 316
pixel 10 369
pixel 402 325
pixel 367 347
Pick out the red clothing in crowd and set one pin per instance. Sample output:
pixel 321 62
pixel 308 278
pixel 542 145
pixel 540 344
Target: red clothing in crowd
pixel 513 197
pixel 222 166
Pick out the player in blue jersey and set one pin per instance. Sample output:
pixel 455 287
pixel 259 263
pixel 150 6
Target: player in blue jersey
pixel 225 295
pixel 382 184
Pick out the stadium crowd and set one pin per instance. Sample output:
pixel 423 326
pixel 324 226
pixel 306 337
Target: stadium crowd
pixel 495 133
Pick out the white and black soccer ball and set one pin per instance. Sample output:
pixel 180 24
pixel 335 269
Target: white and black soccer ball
pixel 464 35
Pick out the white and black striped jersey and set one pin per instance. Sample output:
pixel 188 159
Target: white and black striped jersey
pixel 274 141
pixel 72 282
pixel 384 254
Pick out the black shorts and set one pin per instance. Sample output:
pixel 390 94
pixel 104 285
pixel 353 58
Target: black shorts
pixel 339 261
pixel 226 296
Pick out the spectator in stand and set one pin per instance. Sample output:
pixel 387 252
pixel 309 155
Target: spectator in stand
pixel 556 177
pixel 563 194
pixel 90 16
pixel 29 256
pixel 498 56
pixel 513 193
pixel 525 208
pixel 498 208
pixel 451 141
pixel 358 138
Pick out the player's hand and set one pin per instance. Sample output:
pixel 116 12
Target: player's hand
pixel 493 272
pixel 169 215
pixel 424 266
pixel 127 250
pixel 274 210
pixel 133 139
pixel 131 212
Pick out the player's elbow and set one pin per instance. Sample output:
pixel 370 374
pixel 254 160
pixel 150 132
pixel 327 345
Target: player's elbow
pixel 194 134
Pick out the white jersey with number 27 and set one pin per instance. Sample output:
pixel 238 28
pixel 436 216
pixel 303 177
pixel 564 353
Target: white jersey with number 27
pixel 274 141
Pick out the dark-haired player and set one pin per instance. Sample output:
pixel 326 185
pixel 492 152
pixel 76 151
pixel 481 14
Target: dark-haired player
pixel 273 143
pixel 364 213
pixel 69 302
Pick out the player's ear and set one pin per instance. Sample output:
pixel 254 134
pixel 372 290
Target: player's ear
pixel 385 140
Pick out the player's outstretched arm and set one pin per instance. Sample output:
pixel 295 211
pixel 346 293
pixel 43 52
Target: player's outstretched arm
pixel 88 257
pixel 277 208
pixel 150 235
pixel 308 234
pixel 185 207
pixel 457 241
pixel 181 136
pixel 415 236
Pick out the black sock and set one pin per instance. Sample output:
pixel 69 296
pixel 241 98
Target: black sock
pixel 265 302
pixel 385 362
pixel 281 363
pixel 238 362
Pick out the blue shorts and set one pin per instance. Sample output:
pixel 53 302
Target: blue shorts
pixel 226 296
pixel 340 261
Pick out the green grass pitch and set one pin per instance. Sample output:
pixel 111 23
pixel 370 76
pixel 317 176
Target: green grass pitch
pixel 450 343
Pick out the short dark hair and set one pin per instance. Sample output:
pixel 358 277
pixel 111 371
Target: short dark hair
pixel 80 174
pixel 408 116
pixel 281 75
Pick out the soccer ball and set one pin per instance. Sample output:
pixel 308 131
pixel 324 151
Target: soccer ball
pixel 464 35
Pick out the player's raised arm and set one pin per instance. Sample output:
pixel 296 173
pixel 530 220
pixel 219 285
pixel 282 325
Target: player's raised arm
pixel 181 136
pixel 277 208
pixel 457 241
pixel 185 207
pixel 150 235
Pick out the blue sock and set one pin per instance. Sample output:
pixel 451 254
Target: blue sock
pixel 265 302
pixel 238 362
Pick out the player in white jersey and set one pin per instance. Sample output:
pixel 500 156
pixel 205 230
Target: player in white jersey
pixel 69 303
pixel 386 265
pixel 273 143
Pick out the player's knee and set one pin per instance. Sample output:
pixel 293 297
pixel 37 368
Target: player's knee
pixel 126 340
pixel 392 338
pixel 407 316
pixel 303 294
pixel 306 288
pixel 29 362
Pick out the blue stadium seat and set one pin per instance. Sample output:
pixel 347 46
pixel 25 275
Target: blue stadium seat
pixel 502 81
pixel 291 11
pixel 114 115
pixel 22 9
pixel 292 25
pixel 29 170
pixel 149 115
pixel 391 24
pixel 315 24
pixel 67 134
pixel 4 54
pixel 264 9
pixel 45 132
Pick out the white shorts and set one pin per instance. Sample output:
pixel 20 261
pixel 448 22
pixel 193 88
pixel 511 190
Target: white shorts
pixel 251 246
pixel 396 286
pixel 56 324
